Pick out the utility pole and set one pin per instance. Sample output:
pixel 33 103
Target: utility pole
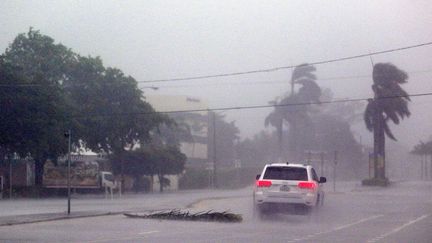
pixel 430 168
pixel 334 170
pixel 214 151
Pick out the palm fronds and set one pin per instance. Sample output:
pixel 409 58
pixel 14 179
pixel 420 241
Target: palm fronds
pixel 303 71
pixel 177 214
pixel 391 101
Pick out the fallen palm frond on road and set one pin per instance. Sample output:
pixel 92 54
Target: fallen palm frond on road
pixel 177 214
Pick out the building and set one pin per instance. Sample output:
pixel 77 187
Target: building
pixel 197 121
pixel 17 174
pixel 196 151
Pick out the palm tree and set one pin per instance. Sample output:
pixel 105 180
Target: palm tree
pixel 293 114
pixel 390 102
pixel 275 118
pixel 301 74
pixel 424 149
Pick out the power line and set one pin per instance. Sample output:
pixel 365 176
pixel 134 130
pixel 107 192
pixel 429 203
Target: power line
pixel 253 71
pixel 280 82
pixel 213 84
pixel 284 67
pixel 250 107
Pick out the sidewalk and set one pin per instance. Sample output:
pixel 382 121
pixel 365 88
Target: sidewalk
pixel 35 218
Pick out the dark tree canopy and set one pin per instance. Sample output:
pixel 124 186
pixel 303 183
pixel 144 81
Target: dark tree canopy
pixel 36 111
pixel 422 148
pixel 53 89
pixel 150 160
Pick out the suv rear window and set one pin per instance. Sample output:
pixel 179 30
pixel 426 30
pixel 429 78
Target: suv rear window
pixel 285 173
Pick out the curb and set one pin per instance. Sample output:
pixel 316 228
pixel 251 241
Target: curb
pixel 37 218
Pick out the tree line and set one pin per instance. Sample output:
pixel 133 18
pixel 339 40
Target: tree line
pixel 47 89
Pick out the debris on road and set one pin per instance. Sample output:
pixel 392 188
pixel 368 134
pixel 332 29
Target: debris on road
pixel 177 214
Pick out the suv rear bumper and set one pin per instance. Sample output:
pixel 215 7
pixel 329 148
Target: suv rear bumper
pixel 296 208
pixel 307 199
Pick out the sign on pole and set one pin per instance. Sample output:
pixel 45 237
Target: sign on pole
pixel 237 163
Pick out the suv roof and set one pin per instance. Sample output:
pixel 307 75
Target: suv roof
pixel 288 165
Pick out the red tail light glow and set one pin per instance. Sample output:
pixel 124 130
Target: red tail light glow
pixel 263 183
pixel 307 185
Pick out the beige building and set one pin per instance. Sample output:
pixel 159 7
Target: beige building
pixel 197 120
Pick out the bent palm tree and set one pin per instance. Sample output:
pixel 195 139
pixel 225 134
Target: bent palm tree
pixel 285 109
pixel 390 103
pixel 303 72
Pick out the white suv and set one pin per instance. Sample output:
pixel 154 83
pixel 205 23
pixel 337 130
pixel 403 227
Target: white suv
pixel 287 187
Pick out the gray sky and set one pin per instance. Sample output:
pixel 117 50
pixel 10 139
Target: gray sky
pixel 170 39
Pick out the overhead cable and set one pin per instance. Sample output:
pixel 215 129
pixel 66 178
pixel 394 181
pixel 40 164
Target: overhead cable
pixel 250 107
pixel 284 67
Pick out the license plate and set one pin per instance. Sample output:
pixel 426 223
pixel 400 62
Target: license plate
pixel 285 188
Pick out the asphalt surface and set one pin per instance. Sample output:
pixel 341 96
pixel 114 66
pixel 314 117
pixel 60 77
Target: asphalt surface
pixel 400 213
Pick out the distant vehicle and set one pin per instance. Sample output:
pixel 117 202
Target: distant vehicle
pixel 287 188
pixel 83 174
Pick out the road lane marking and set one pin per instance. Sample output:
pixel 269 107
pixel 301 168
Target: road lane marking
pixel 395 230
pixel 148 232
pixel 335 229
pixel 141 236
pixel 357 222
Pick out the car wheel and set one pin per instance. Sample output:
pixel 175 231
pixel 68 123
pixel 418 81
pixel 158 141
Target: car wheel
pixel 258 212
pixel 320 200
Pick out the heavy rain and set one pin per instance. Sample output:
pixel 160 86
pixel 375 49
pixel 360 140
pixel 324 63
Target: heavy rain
pixel 215 121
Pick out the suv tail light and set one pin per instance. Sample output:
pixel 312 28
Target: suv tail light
pixel 263 183
pixel 307 185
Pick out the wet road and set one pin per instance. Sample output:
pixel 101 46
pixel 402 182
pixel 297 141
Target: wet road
pixel 402 213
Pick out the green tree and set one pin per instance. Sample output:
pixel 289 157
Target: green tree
pixel 35 108
pixel 390 103
pixel 169 161
pixel 114 115
pixel 151 160
pixel 104 108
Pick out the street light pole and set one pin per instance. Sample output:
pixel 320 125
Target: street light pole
pixel 10 177
pixel 69 135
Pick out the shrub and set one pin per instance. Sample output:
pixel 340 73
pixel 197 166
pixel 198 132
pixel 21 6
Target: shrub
pixel 376 182
pixel 195 178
